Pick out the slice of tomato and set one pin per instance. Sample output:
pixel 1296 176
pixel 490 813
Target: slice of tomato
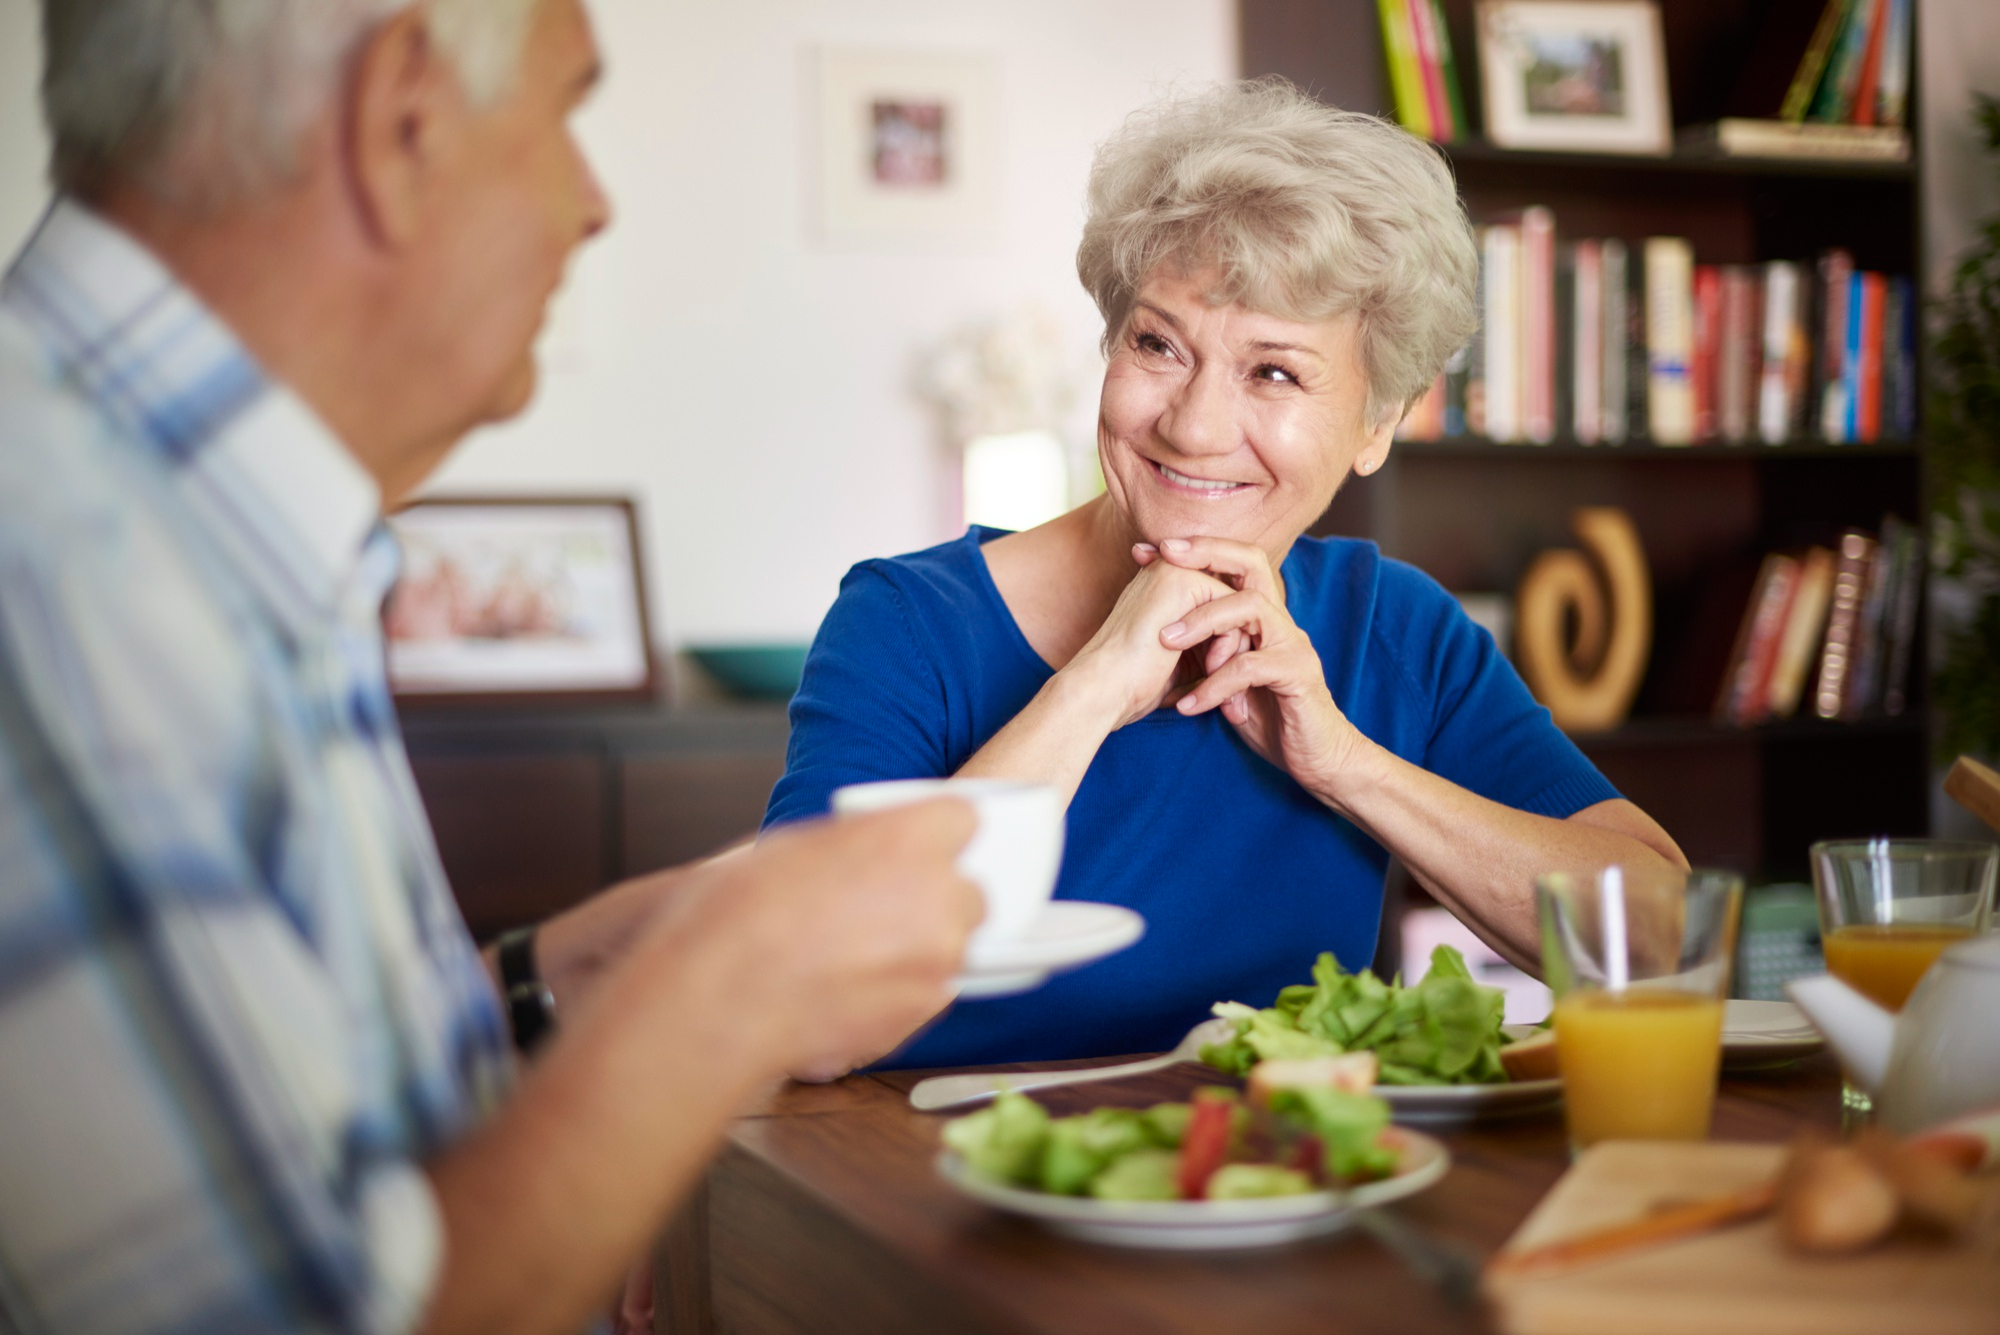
pixel 1206 1145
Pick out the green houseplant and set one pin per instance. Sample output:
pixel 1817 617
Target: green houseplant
pixel 1964 429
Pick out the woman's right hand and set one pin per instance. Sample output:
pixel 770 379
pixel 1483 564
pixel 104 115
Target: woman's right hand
pixel 1124 664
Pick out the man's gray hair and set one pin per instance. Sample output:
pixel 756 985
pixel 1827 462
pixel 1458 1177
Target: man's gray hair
pixel 1309 213
pixel 153 91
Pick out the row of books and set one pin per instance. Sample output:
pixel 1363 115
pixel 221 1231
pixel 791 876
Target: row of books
pixel 1423 76
pixel 1849 98
pixel 1590 342
pixel 1856 69
pixel 1828 630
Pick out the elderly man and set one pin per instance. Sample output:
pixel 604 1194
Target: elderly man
pixel 253 1073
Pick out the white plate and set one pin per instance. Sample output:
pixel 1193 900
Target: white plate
pixel 1064 935
pixel 1435 1104
pixel 1765 1033
pixel 1206 1225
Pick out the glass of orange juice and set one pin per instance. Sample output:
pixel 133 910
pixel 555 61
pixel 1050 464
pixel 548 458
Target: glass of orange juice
pixel 1889 907
pixel 1639 962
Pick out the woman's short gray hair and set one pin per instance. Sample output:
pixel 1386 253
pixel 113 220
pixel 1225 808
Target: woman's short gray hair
pixel 1308 212
pixel 153 90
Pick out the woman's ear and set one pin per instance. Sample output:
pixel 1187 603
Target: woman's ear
pixel 1375 450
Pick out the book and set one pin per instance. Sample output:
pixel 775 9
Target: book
pixel 1899 346
pixel 1538 325
pixel 1448 69
pixel 1799 97
pixel 1473 393
pixel 1430 70
pixel 1745 695
pixel 1805 620
pixel 1747 138
pixel 1587 342
pixel 1856 553
pixel 1835 99
pixel 1669 278
pixel 1638 376
pixel 1862 112
pixel 1502 328
pixel 1737 359
pixel 1865 346
pixel 1787 355
pixel 1835 270
pixel 1895 86
pixel 1899 620
pixel 1861 694
pixel 1405 81
pixel 1707 349
pixel 1615 290
pixel 1454 391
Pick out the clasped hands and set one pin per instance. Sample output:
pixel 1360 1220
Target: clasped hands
pixel 1203 626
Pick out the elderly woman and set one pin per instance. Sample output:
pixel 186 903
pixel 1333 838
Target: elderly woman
pixel 1249 721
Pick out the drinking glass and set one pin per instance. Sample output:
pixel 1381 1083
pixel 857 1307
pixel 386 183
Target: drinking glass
pixel 1887 910
pixel 1639 962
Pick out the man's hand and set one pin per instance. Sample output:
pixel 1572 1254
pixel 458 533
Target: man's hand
pixel 847 932
pixel 820 944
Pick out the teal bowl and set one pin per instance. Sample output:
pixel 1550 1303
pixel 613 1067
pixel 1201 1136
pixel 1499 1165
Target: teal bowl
pixel 753 671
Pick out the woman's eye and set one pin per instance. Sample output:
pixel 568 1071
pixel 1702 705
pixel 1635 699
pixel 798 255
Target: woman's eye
pixel 1273 374
pixel 1153 344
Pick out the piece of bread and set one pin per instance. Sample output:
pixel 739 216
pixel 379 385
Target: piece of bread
pixel 1350 1071
pixel 1531 1058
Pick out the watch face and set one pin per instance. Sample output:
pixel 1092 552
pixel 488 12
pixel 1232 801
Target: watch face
pixel 531 1013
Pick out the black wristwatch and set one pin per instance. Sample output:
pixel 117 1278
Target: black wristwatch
pixel 531 1007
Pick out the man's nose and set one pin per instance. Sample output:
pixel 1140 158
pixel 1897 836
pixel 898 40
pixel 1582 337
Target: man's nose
pixel 1201 418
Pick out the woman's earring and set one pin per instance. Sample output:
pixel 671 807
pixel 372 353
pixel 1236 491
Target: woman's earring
pixel 1365 467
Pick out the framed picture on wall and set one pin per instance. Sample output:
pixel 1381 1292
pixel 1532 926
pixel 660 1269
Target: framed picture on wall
pixel 907 146
pixel 519 600
pixel 1585 76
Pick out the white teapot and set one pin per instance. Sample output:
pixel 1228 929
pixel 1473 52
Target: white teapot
pixel 1940 1057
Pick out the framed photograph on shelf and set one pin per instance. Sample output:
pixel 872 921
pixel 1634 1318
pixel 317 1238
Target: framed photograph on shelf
pixel 908 146
pixel 1581 76
pixel 511 600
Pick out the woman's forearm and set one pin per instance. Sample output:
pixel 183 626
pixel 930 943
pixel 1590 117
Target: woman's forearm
pixel 1480 858
pixel 1054 738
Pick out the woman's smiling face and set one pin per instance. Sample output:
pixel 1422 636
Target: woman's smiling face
pixel 1221 421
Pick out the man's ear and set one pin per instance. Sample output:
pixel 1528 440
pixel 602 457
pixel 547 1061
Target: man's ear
pixel 404 107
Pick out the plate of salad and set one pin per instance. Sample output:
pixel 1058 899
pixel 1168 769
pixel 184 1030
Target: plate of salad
pixel 1442 1053
pixel 1215 1172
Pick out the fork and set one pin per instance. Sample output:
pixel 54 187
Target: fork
pixel 949 1091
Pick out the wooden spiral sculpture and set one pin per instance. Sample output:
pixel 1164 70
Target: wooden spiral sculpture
pixel 1583 624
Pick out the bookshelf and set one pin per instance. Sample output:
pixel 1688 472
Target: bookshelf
pixel 1474 513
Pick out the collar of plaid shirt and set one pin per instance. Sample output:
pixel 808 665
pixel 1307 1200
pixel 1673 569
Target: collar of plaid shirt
pixel 296 514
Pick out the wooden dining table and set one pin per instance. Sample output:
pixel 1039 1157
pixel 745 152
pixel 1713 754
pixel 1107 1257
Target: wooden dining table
pixel 824 1213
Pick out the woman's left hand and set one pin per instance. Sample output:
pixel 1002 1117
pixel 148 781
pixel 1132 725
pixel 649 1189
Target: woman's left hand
pixel 1263 673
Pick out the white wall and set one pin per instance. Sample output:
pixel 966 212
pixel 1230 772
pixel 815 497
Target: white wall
pixel 23 146
pixel 749 388
pixel 1960 49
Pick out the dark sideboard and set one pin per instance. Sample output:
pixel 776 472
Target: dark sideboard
pixel 535 810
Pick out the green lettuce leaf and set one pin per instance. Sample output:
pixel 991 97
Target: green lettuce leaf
pixel 1143 1175
pixel 1003 1142
pixel 1078 1148
pixel 1443 1030
pixel 1349 1127
pixel 1243 1181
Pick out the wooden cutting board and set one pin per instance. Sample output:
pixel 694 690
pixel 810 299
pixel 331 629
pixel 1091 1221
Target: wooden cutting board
pixel 1737 1280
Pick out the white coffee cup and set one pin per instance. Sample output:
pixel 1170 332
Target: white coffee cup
pixel 1014 855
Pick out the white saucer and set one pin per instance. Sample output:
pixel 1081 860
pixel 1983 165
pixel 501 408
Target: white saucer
pixel 1765 1033
pixel 1066 934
